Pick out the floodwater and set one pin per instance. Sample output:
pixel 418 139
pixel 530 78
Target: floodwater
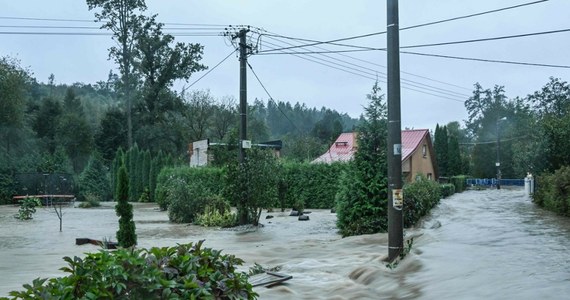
pixel 475 245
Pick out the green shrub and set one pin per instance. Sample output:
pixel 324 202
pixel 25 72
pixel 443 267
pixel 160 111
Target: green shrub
pixel 28 208
pixel 459 182
pixel 188 200
pixel 182 272
pixel 212 217
pixel 419 198
pixel 310 185
pixel 553 191
pixel 91 200
pixel 209 178
pixel 447 189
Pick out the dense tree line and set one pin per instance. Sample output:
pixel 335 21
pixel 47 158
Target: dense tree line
pixel 533 131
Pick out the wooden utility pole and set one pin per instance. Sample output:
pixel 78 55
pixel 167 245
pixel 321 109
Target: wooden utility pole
pixel 395 194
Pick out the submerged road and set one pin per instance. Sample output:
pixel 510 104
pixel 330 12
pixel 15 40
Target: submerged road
pixel 493 244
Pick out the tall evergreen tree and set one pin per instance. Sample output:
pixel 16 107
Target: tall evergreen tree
pixel 362 202
pixel 454 157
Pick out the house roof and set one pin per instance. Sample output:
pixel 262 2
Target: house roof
pixel 411 140
pixel 342 149
pixel 345 146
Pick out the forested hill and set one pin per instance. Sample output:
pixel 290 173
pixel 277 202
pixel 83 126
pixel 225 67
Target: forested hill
pixel 58 127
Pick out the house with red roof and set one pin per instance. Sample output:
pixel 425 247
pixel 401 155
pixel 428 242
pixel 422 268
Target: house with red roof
pixel 418 156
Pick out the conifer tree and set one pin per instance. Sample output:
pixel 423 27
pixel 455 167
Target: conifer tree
pixel 126 235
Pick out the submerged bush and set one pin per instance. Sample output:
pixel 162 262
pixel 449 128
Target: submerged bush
pixel 459 182
pixel 447 189
pixel 419 198
pixel 188 200
pixel 210 178
pixel 212 217
pixel 182 272
pixel 28 208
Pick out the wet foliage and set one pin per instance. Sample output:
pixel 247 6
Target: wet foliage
pixel 28 208
pixel 187 271
pixel 553 191
pixel 446 190
pixel 419 198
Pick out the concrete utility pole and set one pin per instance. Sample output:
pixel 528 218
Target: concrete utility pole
pixel 242 91
pixel 395 195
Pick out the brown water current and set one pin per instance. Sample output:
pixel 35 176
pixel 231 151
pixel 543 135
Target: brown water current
pixel 475 245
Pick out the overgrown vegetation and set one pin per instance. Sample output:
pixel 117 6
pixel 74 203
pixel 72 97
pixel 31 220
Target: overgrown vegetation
pixel 28 208
pixel 188 271
pixel 553 191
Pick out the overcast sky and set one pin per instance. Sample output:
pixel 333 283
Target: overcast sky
pixel 290 78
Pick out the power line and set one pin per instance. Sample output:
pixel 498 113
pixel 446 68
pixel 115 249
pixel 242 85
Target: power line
pixel 203 34
pixel 212 69
pixel 493 142
pixel 487 39
pixel 271 98
pixel 332 42
pixel 371 77
pixel 356 67
pixel 379 65
pixel 487 60
pixel 97 21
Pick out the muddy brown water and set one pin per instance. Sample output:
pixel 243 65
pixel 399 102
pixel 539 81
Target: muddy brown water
pixel 475 245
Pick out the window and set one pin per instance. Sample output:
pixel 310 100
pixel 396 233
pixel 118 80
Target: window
pixel 424 150
pixel 429 176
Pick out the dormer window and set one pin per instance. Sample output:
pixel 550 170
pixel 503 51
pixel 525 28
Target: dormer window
pixel 341 144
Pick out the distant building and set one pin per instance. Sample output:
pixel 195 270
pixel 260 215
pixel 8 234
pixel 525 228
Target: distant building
pixel 200 157
pixel 417 153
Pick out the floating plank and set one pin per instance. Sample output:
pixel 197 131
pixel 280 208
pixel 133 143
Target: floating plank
pixel 268 279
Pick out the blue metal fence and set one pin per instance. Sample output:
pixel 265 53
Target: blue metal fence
pixel 493 182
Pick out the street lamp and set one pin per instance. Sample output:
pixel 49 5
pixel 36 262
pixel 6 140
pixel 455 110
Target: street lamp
pixel 498 163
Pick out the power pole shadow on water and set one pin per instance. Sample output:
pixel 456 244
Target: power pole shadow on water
pixel 395 195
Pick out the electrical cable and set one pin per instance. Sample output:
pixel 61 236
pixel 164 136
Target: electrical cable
pixel 212 69
pixel 487 60
pixel 332 42
pixel 372 72
pixel 271 99
pixel 376 79
pixel 382 66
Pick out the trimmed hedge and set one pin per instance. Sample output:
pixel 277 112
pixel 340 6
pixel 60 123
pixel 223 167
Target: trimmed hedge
pixel 210 179
pixel 419 198
pixel 553 191
pixel 182 272
pixel 310 185
pixel 447 189
pixel 459 182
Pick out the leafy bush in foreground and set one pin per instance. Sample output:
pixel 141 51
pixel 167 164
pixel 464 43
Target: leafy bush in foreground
pixel 182 272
